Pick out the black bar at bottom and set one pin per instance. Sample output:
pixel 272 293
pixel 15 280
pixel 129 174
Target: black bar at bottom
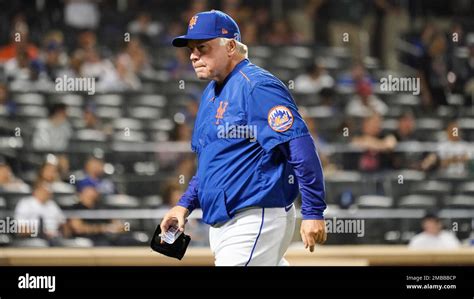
pixel 304 282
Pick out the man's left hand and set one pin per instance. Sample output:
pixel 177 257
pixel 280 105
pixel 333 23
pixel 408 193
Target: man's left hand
pixel 313 232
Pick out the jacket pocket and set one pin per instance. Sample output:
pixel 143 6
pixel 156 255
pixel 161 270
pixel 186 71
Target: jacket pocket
pixel 214 206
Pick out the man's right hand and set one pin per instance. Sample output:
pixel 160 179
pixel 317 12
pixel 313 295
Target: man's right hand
pixel 176 216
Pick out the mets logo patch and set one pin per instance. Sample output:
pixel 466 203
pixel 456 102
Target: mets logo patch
pixel 280 118
pixel 192 22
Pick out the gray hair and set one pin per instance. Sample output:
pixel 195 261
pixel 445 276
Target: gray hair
pixel 241 48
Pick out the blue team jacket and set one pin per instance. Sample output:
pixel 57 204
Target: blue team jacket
pixel 238 125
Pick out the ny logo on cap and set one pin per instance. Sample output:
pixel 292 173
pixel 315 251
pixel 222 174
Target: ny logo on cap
pixel 193 22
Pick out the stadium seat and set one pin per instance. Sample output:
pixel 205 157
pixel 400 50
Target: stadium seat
pixel 343 181
pixel 32 111
pixel 66 202
pixel 435 188
pixel 13 198
pixel 107 113
pixel 466 188
pixel 127 123
pixel 144 112
pixel 3 203
pixel 374 201
pixel 121 201
pixel 152 201
pixel 151 100
pixel 460 201
pixel 75 112
pixel 418 201
pixel 31 242
pixel 113 100
pixel 131 136
pixel 90 135
pixel 5 240
pixel 79 242
pixel 29 99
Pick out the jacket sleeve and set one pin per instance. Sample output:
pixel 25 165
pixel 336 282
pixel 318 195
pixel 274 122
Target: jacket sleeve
pixel 189 200
pixel 302 155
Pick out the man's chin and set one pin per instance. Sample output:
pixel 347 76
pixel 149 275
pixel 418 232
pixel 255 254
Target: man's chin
pixel 202 77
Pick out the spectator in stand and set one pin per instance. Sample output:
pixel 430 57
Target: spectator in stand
pixel 357 74
pixel 94 66
pixel 7 106
pixel 100 231
pixel 347 17
pixel 90 121
pixel 125 76
pixel 53 58
pixel 41 208
pixel 53 133
pixel 181 132
pixel 453 154
pixel 250 31
pixel 406 129
pixel 8 181
pixel 281 33
pixel 433 73
pixel 49 173
pixel 465 74
pixel 406 132
pixel 364 103
pixel 18 67
pixel 314 80
pixel 94 174
pixel 433 236
pixel 19 40
pixel 377 147
pixel 144 27
pixel 138 57
pixel 82 14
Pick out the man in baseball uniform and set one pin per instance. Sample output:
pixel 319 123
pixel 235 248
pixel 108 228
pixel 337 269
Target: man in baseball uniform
pixel 254 151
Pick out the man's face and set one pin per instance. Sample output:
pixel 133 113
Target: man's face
pixel 432 226
pixel 95 167
pixel 42 193
pixel 89 196
pixel 208 57
pixel 50 173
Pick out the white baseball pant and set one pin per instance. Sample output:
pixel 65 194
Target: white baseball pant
pixel 254 237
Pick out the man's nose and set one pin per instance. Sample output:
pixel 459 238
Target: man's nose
pixel 194 55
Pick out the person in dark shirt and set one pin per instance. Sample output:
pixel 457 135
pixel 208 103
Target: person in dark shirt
pixel 406 132
pixel 377 147
pixel 100 231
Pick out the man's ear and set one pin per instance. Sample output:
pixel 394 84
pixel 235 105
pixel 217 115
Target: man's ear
pixel 231 47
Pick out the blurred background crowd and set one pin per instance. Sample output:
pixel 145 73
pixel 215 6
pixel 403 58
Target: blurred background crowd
pixel 96 169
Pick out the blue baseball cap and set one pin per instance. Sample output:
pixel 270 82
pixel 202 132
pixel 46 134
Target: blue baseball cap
pixel 209 25
pixel 86 183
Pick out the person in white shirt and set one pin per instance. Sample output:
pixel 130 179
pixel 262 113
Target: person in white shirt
pixel 40 208
pixel 314 80
pixel 365 103
pixel 55 132
pixel 433 235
